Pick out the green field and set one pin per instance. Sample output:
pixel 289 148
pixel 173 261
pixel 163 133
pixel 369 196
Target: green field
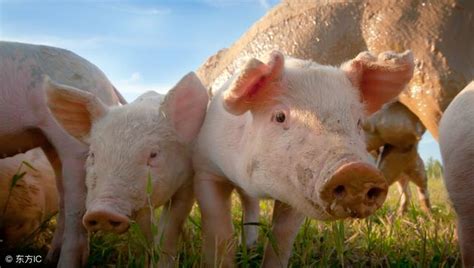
pixel 385 239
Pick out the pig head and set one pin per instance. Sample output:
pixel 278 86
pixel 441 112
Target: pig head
pixel 393 124
pixel 149 138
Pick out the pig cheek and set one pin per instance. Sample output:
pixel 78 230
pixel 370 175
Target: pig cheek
pixel 91 185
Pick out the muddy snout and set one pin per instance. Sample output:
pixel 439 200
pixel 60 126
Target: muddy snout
pixel 105 219
pixel 355 190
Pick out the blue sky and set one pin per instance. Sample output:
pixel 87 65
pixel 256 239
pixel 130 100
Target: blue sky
pixel 140 45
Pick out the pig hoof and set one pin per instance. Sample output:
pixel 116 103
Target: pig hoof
pixel 74 254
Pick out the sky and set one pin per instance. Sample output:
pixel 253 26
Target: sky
pixel 140 45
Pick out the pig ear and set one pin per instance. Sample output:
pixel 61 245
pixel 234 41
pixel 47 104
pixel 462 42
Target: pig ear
pixel 74 109
pixel 255 84
pixel 186 106
pixel 379 79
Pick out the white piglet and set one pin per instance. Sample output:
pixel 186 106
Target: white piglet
pixel 151 136
pixel 290 130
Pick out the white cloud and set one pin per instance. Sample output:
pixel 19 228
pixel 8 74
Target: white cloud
pixel 264 4
pixel 135 85
pixel 136 76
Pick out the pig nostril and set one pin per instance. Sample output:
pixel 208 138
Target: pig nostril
pixel 115 223
pixel 92 223
pixel 373 193
pixel 339 191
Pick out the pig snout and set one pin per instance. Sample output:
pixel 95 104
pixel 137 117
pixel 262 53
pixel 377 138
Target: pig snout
pixel 105 220
pixel 355 190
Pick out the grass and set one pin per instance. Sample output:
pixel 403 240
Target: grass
pixel 384 239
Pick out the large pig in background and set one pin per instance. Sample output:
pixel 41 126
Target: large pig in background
pixel 31 201
pixel 456 140
pixel 440 34
pixel 291 130
pixel 148 138
pixel 26 123
pixel 396 131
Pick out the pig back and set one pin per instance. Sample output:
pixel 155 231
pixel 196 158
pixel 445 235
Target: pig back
pixel 316 30
pixel 34 195
pixel 62 66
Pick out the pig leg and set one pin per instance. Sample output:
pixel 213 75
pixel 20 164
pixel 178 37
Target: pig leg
pixel 404 189
pixel 54 251
pixel 143 219
pixel 251 210
pixel 286 223
pixel 392 162
pixel 213 195
pixel 459 181
pixel 418 176
pixel 74 246
pixel 172 219
pixel 465 230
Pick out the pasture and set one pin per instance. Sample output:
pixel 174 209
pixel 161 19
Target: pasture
pixel 385 239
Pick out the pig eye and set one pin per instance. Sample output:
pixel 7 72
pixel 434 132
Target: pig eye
pixel 153 159
pixel 280 117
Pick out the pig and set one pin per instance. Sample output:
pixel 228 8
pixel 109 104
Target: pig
pixel 291 130
pixel 403 166
pixel 456 141
pixel 149 138
pixel 397 131
pixel 26 123
pixel 32 200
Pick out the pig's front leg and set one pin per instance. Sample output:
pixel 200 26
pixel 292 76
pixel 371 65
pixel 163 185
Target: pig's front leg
pixel 55 250
pixel 286 223
pixel 172 219
pixel 213 196
pixel 251 210
pixel 72 153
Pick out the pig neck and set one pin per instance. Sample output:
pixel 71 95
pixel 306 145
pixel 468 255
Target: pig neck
pixel 229 155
